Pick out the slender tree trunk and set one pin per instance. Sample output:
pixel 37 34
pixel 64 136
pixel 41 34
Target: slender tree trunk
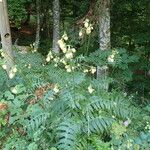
pixel 37 39
pixel 56 25
pixel 6 35
pixel 104 32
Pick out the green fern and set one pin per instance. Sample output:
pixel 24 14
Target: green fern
pixel 35 123
pixel 67 132
pixel 98 125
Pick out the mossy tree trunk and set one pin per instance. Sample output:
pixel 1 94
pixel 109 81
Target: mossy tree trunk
pixel 37 39
pixel 56 25
pixel 104 32
pixel 6 36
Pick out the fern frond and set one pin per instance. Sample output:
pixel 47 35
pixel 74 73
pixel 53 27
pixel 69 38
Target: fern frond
pixel 36 122
pixel 98 125
pixel 97 103
pixel 67 132
pixel 57 75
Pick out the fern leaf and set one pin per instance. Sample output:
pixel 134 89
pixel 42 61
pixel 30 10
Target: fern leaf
pixel 67 132
pixel 99 125
pixel 36 122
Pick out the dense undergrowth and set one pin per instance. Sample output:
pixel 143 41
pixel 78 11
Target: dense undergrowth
pixel 55 101
pixel 62 106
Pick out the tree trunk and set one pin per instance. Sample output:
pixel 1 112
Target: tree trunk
pixel 56 25
pixel 6 35
pixel 104 32
pixel 37 40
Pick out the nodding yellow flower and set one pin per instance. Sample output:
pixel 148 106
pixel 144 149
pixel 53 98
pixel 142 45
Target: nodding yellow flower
pixel 88 30
pixel 56 59
pixel 68 68
pixel 4 66
pixel 62 45
pixel 60 42
pixel 93 70
pixel 65 37
pixel 29 66
pixel 51 98
pixel 64 49
pixel 81 33
pixel 104 67
pixel 73 50
pixel 72 68
pixel 14 90
pixel 85 70
pixel 87 20
pixel 78 65
pixel 14 69
pixel 56 65
pixel 3 54
pixel 86 23
pixel 90 89
pixel 11 74
pixel 56 89
pixel 111 58
pixel 50 53
pixel 48 59
pixel 69 55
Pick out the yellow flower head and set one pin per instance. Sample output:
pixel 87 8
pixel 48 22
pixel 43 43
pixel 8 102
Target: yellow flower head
pixel 73 50
pixel 14 90
pixel 62 45
pixel 68 68
pixel 110 58
pixel 90 89
pixel 81 33
pixel 48 59
pixel 93 70
pixel 88 30
pixel 14 69
pixel 2 53
pixel 85 70
pixel 29 66
pixel 56 89
pixel 11 75
pixel 65 37
pixel 69 55
pixel 86 23
pixel 4 66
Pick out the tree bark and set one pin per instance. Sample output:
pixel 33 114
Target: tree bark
pixel 6 35
pixel 37 39
pixel 56 25
pixel 104 32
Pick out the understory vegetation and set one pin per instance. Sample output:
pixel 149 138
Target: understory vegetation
pixel 46 106
pixel 56 101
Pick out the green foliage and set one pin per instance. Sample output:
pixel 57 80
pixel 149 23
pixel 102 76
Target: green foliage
pixel 143 140
pixel 67 135
pixel 100 145
pixel 47 107
pixel 119 64
pixel 18 11
pixel 65 119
